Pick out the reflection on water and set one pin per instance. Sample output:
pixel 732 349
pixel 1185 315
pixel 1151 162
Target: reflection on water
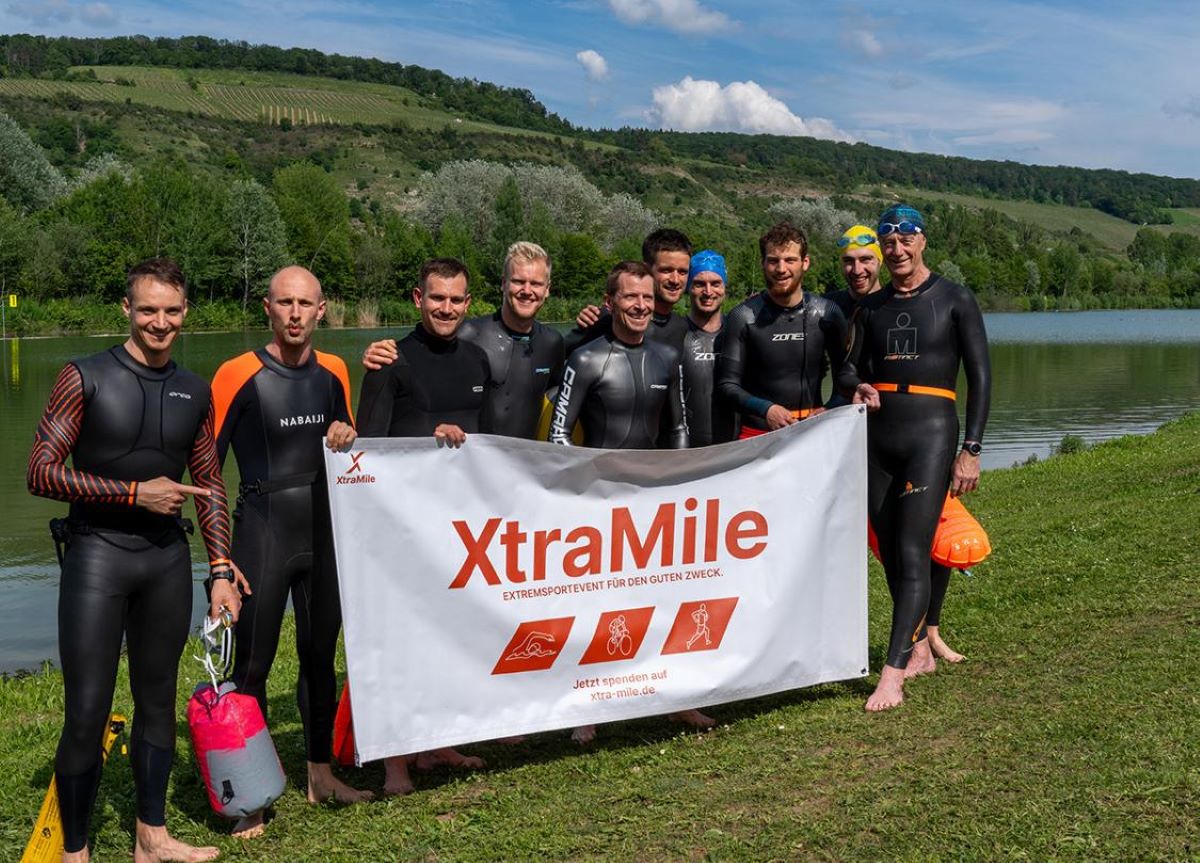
pixel 1094 374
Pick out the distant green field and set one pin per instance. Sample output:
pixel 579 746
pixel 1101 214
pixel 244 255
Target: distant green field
pixel 1114 233
pixel 249 96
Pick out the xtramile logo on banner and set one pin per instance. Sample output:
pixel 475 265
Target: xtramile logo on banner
pixel 618 635
pixel 355 474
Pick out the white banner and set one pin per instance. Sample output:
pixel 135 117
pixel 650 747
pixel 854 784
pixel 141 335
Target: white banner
pixel 510 587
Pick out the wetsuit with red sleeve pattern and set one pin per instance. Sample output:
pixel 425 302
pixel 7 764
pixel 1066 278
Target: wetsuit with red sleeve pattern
pixel 127 571
pixel 275 417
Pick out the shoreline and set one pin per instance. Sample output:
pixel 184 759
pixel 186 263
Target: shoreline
pixel 1013 735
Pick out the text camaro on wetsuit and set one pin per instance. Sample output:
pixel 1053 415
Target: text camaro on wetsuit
pixel 623 396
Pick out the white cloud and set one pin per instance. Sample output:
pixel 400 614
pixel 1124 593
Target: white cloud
pixel 680 16
pixel 740 106
pixel 100 14
pixel 42 12
pixel 1187 107
pixel 595 64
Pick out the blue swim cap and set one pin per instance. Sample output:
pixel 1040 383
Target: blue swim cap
pixel 707 261
pixel 898 214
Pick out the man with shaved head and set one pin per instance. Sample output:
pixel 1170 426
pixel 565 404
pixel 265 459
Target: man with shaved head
pixel 274 406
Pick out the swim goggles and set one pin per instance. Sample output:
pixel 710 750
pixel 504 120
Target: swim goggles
pixel 859 240
pixel 905 227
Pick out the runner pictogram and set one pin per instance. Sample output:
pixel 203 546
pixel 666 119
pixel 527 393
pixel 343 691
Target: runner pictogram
pixel 534 646
pixel 618 635
pixel 700 625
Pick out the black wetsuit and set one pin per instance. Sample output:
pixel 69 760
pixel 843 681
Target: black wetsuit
pixel 624 396
pixel 432 381
pixel 275 417
pixel 523 367
pixel 709 420
pixel 127 571
pixel 668 329
pixel 912 440
pixel 772 355
pixel 853 310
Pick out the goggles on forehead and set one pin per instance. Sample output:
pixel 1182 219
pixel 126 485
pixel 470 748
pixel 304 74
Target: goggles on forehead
pixel 860 240
pixel 905 227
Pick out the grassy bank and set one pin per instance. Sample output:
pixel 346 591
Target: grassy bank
pixel 1072 732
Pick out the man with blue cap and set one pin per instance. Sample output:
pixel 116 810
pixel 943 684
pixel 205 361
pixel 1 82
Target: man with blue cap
pixel 906 371
pixel 709 421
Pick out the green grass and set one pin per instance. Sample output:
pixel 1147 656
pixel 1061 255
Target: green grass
pixel 263 97
pixel 1072 732
pixel 1116 234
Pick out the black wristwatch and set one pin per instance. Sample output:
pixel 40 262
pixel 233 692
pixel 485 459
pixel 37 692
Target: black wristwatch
pixel 972 448
pixel 223 575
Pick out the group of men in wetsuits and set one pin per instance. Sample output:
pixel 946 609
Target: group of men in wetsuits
pixel 631 375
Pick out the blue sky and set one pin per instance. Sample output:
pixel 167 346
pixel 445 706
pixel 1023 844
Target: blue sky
pixel 1097 84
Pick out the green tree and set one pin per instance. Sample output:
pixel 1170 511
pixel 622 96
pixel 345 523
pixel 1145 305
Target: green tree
pixel 410 245
pixel 14 246
pixel 259 238
pixel 580 268
pixel 27 179
pixel 316 213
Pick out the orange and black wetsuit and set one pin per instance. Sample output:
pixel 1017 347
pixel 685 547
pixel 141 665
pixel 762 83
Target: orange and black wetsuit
pixel 127 571
pixel 275 417
pixel 911 350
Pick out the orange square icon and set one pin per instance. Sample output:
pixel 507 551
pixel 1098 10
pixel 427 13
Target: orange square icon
pixel 535 645
pixel 700 625
pixel 618 635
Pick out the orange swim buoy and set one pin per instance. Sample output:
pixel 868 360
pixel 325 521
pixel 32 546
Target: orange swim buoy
pixel 960 541
pixel 343 730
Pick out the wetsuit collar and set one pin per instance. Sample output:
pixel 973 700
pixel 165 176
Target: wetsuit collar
pixel 629 346
pixel 435 343
pixel 767 296
pixel 515 335
pixel 918 290
pixel 141 369
pixel 269 361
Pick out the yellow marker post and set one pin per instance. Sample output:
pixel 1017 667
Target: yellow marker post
pixel 11 304
pixel 46 843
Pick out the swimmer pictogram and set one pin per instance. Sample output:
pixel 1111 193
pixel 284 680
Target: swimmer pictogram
pixel 534 646
pixel 700 625
pixel 618 635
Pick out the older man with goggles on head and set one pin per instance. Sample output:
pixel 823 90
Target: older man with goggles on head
pixel 913 342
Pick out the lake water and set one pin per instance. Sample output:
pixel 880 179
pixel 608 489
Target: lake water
pixel 1094 374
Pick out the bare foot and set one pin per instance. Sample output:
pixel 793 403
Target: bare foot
pixel 889 692
pixel 921 661
pixel 694 718
pixel 250 827
pixel 448 757
pixel 156 845
pixel 323 786
pixel 80 856
pixel 584 734
pixel 941 649
pixel 395 776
